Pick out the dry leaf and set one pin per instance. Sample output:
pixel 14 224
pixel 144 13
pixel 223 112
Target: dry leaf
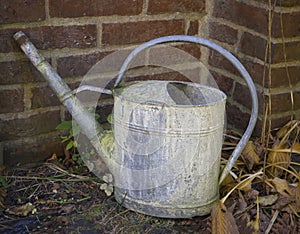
pixel 67 209
pixel 297 197
pixel 282 202
pixel 53 158
pixel 246 185
pixel 55 186
pixel 267 200
pixel 222 220
pixel 283 224
pixel 227 180
pixel 67 156
pixel 244 224
pixel 284 130
pixel 63 220
pixel 295 147
pixel 282 159
pixel 255 223
pixel 250 155
pixel 241 205
pixel 282 187
pixel 23 210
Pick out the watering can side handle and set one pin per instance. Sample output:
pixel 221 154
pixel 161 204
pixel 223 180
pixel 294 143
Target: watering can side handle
pixel 92 88
pixel 235 62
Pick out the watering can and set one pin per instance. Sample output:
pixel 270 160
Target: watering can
pixel 167 137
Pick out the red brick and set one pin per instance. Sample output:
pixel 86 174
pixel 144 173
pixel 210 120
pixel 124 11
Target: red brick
pixel 43 97
pixel 170 6
pixel 222 33
pixel 291 25
pixel 296 96
pixel 169 55
pixel 193 28
pixel 79 65
pixel 225 83
pixel 242 95
pixel 256 47
pixel 236 117
pixel 21 11
pixel 256 72
pixel 38 149
pixel 292 52
pixel 239 120
pixel 279 122
pixel 288 3
pixel 283 3
pixel 18 72
pixel 256 18
pixel 280 77
pixel 242 14
pixel 137 32
pixel 219 61
pixel 192 49
pixel 52 37
pixel 78 8
pixel 148 73
pixel 282 103
pixel 11 100
pixel 253 45
pixel 7 43
pixel 26 127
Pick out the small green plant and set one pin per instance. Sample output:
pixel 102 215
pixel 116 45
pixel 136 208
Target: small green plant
pixel 72 134
pixel 73 131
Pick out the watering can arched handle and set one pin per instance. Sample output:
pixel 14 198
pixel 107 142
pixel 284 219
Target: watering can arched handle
pixel 235 62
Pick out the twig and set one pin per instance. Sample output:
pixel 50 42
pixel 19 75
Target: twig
pixel 70 201
pixel 55 167
pixel 283 168
pixel 272 221
pixel 291 150
pixel 51 178
pixel 239 184
pixel 31 195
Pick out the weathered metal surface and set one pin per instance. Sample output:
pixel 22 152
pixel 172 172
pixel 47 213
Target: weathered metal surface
pixel 168 139
pixel 168 135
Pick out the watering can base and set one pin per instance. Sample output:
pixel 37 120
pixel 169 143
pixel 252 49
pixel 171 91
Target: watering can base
pixel 159 210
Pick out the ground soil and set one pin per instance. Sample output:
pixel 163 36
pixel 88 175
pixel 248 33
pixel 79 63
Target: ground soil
pixel 65 204
pixel 62 196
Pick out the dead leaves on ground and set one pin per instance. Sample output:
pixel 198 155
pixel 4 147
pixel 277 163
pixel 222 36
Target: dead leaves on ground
pixel 276 156
pixel 250 155
pixel 22 210
pixel 285 143
pixel 223 221
pixel 263 186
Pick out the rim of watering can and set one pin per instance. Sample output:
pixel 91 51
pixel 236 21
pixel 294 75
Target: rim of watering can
pixel 231 58
pixel 221 95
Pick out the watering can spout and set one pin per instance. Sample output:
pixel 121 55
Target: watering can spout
pixel 80 114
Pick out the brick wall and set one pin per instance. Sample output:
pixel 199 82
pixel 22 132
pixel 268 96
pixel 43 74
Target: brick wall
pixel 244 28
pixel 73 35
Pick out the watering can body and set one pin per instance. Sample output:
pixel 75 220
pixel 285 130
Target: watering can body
pixel 168 139
pixel 165 156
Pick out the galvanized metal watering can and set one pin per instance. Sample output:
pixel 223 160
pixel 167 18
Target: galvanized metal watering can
pixel 165 157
